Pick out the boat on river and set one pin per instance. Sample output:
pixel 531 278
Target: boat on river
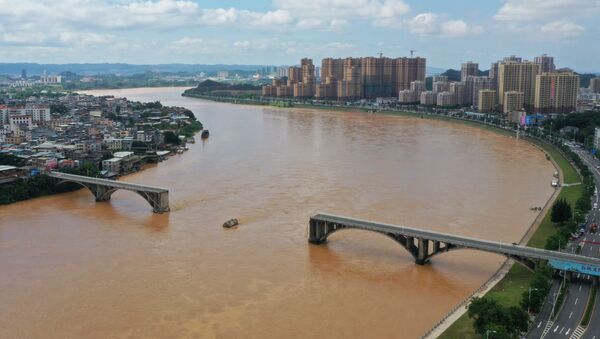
pixel 205 134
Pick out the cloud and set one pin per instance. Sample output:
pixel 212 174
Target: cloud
pixel 242 44
pixel 187 41
pixel 527 10
pixel 562 29
pixel 340 45
pixel 431 24
pixel 329 12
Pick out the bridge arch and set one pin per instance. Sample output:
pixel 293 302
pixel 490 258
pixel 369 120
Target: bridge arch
pixel 400 240
pixel 90 188
pixel 421 249
pixel 102 189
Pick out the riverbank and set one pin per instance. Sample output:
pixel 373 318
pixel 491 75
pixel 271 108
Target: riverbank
pixel 509 289
pixel 509 282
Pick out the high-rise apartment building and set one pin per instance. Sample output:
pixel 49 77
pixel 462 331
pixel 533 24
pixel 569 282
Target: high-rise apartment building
pixel 473 84
pixel 546 63
pixel 486 100
pixel 494 70
pixel 406 70
pixel 513 101
pixel 595 85
pixel 407 97
pixel 519 77
pixel 376 77
pixel 440 78
pixel 428 98
pixel 352 78
pixel 458 90
pixel 294 75
pixel 556 92
pixel 439 87
pixel 445 99
pixel 469 68
pixel 512 58
pixel 332 68
pixel 418 87
pixel 413 94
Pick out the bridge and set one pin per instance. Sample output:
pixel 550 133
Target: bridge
pixel 423 245
pixel 103 189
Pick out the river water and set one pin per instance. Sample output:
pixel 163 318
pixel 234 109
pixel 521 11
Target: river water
pixel 73 268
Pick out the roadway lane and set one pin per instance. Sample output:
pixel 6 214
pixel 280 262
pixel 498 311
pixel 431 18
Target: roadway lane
pixel 572 310
pixel 541 320
pixel 593 329
pixel 575 303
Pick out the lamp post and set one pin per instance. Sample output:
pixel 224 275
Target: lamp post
pixel 529 299
pixel 487 333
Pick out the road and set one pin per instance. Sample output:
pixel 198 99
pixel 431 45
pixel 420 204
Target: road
pixel 565 325
pixel 593 248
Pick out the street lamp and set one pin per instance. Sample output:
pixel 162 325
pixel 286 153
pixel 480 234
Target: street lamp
pixel 487 333
pixel 529 299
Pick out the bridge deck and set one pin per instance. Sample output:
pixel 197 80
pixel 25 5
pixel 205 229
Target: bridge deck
pixel 467 242
pixel 106 182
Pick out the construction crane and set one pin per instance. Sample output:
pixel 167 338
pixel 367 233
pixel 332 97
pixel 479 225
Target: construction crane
pixel 380 54
pixel 412 52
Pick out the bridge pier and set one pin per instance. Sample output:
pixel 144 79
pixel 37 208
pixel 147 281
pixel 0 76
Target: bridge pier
pixel 436 247
pixel 423 251
pixel 568 275
pixel 316 232
pixel 100 192
pixel 158 201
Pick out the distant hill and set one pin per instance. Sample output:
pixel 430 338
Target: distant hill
pixel 14 69
pixel 584 79
pixel 452 74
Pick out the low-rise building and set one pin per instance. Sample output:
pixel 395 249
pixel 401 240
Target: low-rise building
pixel 111 167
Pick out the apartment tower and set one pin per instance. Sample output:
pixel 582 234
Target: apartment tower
pixel 514 76
pixel 469 68
pixel 556 92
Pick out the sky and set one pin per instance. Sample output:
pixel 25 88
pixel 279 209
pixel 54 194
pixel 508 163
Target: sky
pixel 280 32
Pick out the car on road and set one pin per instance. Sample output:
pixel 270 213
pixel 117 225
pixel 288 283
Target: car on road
pixel 595 205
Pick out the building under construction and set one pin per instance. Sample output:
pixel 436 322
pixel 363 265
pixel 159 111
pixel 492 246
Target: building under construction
pixel 349 78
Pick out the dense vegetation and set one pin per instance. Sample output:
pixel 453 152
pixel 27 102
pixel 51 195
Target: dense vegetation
pixel 561 211
pixel 42 184
pixel 11 160
pixel 210 85
pixel 495 320
pixel 509 321
pixel 586 122
pixel 224 89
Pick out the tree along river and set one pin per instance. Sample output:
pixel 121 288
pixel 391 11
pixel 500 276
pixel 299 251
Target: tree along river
pixel 75 268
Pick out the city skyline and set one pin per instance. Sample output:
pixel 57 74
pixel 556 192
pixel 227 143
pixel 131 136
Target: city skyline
pixel 280 32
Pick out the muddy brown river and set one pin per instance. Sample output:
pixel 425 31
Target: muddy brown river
pixel 74 268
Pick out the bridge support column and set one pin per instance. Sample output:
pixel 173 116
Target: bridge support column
pixel 568 275
pixel 423 251
pixel 596 280
pixel 100 192
pixel 436 247
pixel 316 232
pixel 159 201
